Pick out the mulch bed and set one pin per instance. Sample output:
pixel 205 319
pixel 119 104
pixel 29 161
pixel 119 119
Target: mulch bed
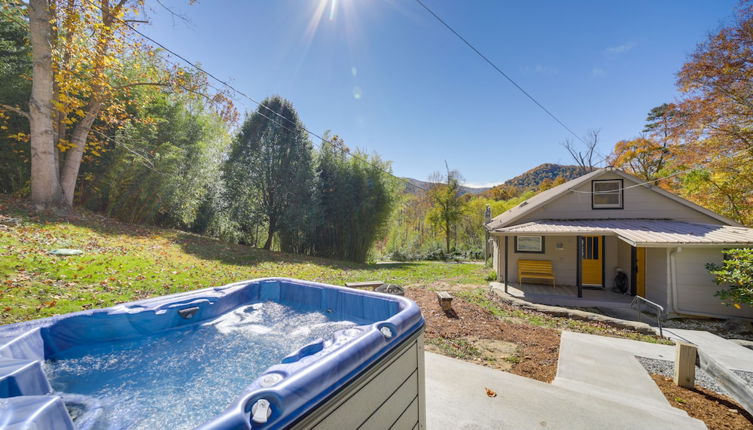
pixel 538 347
pixel 719 412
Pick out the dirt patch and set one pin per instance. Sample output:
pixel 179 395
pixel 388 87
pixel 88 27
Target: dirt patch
pixel 719 412
pixel 474 334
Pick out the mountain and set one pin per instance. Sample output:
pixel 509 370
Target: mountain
pixel 417 185
pixel 532 178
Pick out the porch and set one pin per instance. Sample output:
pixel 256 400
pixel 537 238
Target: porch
pixel 567 296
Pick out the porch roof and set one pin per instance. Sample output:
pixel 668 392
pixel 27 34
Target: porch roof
pixel 639 232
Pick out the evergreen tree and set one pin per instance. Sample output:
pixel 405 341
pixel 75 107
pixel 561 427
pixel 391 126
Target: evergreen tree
pixel 269 172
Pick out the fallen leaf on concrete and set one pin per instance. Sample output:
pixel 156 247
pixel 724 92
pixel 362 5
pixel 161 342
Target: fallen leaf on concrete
pixel 490 392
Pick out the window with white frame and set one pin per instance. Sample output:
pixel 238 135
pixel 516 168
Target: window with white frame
pixel 607 194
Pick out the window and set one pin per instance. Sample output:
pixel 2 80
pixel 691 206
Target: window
pixel 530 244
pixel 606 194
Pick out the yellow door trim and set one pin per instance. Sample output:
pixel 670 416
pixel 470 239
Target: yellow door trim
pixel 640 271
pixel 591 261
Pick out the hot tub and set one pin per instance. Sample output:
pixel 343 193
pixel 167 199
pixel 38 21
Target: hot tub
pixel 260 354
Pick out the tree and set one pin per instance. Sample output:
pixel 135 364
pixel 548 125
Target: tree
pixel 647 156
pixel 447 204
pixel 584 157
pixel 642 156
pixel 714 120
pixel 15 74
pixel 80 51
pixel 354 197
pixel 185 143
pixel 502 192
pixel 269 169
pixel 46 189
pixel 736 273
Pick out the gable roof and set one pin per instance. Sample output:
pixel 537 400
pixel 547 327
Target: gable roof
pixel 545 197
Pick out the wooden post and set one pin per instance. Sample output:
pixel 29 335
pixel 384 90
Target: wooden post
pixel 579 252
pixel 445 300
pixel 685 354
pixel 507 280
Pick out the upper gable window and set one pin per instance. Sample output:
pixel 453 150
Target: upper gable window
pixel 607 194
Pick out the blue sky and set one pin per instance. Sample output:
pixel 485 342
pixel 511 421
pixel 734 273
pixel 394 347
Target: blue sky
pixel 388 78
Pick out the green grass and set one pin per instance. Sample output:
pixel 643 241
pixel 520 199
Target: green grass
pixel 126 262
pixel 481 297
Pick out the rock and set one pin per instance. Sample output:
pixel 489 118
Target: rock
pixel 66 252
pixel 445 300
pixel 390 289
pixel 9 221
pixel 738 326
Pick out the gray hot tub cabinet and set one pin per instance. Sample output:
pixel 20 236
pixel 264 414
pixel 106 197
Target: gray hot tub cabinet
pixel 388 395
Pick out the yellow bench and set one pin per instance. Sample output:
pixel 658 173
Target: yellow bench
pixel 535 269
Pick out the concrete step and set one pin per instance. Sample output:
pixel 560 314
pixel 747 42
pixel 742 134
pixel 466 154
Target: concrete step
pixel 457 399
pixel 607 368
pixel 730 354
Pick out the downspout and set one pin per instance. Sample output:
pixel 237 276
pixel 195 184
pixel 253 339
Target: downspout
pixel 672 277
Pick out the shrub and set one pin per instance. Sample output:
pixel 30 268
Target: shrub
pixel 736 273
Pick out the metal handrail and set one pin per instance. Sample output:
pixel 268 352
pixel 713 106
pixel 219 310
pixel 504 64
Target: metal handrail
pixel 659 314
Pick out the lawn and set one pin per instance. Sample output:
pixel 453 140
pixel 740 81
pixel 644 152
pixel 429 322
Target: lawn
pixel 123 262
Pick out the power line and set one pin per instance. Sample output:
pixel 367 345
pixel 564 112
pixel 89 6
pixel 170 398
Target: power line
pixel 498 69
pixel 652 181
pixel 260 104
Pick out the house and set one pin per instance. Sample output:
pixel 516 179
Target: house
pixel 587 229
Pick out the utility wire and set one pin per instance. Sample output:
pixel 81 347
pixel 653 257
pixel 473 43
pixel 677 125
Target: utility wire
pixel 499 70
pixel 344 150
pixel 256 102
pixel 652 181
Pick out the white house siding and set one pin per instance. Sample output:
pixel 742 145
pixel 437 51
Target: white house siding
pixel 638 202
pixel 611 260
pixel 696 288
pixel 656 275
pixel 624 258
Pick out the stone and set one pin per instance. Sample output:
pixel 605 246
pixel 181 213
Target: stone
pixel 445 300
pixel 390 289
pixel 738 326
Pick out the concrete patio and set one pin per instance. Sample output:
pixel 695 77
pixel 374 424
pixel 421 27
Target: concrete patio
pixel 567 295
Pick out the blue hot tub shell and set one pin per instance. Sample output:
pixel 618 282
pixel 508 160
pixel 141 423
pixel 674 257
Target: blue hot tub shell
pixel 292 389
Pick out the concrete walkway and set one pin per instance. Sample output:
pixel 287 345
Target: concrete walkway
pixel 607 367
pixel 730 354
pixel 457 399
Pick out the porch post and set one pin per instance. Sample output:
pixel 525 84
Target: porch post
pixel 603 262
pixel 579 252
pixel 506 269
pixel 633 271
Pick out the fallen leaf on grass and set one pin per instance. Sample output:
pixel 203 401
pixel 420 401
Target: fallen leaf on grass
pixel 490 392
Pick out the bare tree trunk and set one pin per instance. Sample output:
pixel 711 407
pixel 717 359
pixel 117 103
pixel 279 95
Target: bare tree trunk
pixel 45 184
pixel 268 243
pixel 74 155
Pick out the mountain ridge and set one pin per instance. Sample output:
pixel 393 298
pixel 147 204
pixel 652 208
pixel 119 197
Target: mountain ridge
pixel 531 178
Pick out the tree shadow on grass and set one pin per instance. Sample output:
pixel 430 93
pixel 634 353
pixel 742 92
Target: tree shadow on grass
pixel 208 248
pixel 203 247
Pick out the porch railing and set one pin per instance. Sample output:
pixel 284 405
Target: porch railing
pixel 659 310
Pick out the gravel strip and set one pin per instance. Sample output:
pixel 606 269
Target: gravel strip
pixel 667 368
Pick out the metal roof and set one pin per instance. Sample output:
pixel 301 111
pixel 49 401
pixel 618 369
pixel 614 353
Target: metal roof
pixel 639 232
